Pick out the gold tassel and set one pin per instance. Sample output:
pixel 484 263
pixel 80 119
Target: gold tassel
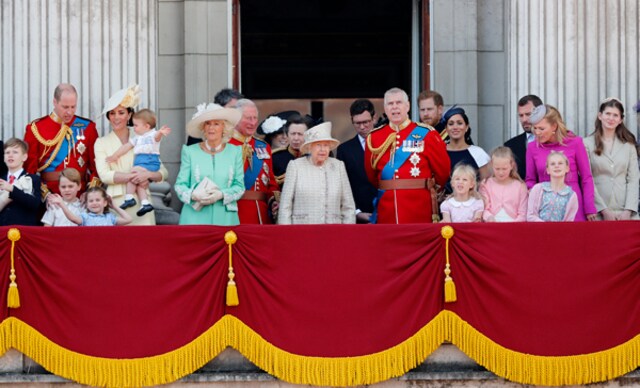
pixel 450 294
pixel 232 291
pixel 13 297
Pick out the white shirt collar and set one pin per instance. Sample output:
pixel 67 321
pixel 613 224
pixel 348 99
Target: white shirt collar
pixel 15 174
pixel 456 203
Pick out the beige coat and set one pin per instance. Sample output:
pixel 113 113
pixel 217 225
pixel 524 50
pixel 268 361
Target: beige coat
pixel 615 176
pixel 316 195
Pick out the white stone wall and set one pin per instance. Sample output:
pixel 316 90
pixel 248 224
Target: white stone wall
pixel 573 54
pixel 98 46
pixel 469 57
pixel 193 65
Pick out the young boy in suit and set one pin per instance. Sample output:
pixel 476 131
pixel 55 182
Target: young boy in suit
pixel 20 192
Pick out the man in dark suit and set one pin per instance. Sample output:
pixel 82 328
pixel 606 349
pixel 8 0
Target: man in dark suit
pixel 518 144
pixel 351 153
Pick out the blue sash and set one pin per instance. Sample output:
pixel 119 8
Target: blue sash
pixel 252 172
pixel 417 134
pixel 77 126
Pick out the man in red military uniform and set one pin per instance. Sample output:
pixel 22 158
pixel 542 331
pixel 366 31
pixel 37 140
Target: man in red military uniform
pixel 61 140
pixel 400 157
pixel 259 181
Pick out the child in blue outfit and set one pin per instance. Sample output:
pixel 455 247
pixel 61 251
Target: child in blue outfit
pixel 146 148
pixel 98 214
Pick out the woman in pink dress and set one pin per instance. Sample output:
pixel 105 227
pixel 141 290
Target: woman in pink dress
pixel 552 135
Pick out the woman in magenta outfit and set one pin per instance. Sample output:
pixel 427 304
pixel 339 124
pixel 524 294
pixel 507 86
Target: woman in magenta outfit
pixel 552 135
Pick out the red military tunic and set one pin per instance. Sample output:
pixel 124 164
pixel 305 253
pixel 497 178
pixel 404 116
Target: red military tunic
pixel 260 191
pixel 54 147
pixel 428 158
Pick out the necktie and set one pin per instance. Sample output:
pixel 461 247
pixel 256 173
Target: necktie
pixel 12 179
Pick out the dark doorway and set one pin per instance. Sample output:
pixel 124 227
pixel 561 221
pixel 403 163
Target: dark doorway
pixel 318 49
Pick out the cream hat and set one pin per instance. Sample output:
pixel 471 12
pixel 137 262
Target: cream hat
pixel 206 112
pixel 321 132
pixel 128 98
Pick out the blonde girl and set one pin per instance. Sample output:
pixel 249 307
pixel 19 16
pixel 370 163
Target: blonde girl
pixel 98 214
pixel 504 193
pixel 553 200
pixel 465 204
pixel 69 184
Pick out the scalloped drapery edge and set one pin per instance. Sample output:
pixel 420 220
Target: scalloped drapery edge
pixel 333 371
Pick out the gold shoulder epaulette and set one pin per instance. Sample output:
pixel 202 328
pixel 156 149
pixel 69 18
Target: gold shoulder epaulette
pixel 379 127
pixel 36 120
pixel 423 125
pixel 84 118
pixel 280 149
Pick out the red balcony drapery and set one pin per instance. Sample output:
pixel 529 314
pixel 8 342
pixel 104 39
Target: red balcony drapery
pixel 326 305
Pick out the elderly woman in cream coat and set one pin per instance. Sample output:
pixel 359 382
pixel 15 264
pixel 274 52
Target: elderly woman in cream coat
pixel 317 189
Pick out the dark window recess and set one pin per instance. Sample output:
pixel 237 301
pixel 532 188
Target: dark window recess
pixel 324 48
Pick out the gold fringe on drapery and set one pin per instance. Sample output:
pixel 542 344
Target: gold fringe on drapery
pixel 108 372
pixel 334 371
pixel 541 370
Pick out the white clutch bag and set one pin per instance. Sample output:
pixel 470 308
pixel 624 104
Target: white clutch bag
pixel 205 188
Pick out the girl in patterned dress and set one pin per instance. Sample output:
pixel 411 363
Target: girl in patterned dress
pixel 553 200
pixel 97 214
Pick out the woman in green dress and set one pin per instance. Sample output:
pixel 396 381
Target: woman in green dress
pixel 211 177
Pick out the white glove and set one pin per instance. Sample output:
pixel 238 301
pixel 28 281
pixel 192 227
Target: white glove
pixel 195 197
pixel 212 198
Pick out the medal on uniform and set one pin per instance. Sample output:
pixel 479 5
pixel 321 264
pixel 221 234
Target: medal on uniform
pixel 80 162
pixel 81 147
pixel 80 135
pixel 265 180
pixel 415 170
pixel 413 146
pixel 262 153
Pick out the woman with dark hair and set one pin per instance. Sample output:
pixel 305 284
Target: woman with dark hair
pixel 552 135
pixel 459 149
pixel 294 129
pixel 272 128
pixel 614 163
pixel 119 110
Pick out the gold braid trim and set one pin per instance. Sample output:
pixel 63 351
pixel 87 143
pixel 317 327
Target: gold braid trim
pixel 247 150
pixel 57 141
pixel 378 152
